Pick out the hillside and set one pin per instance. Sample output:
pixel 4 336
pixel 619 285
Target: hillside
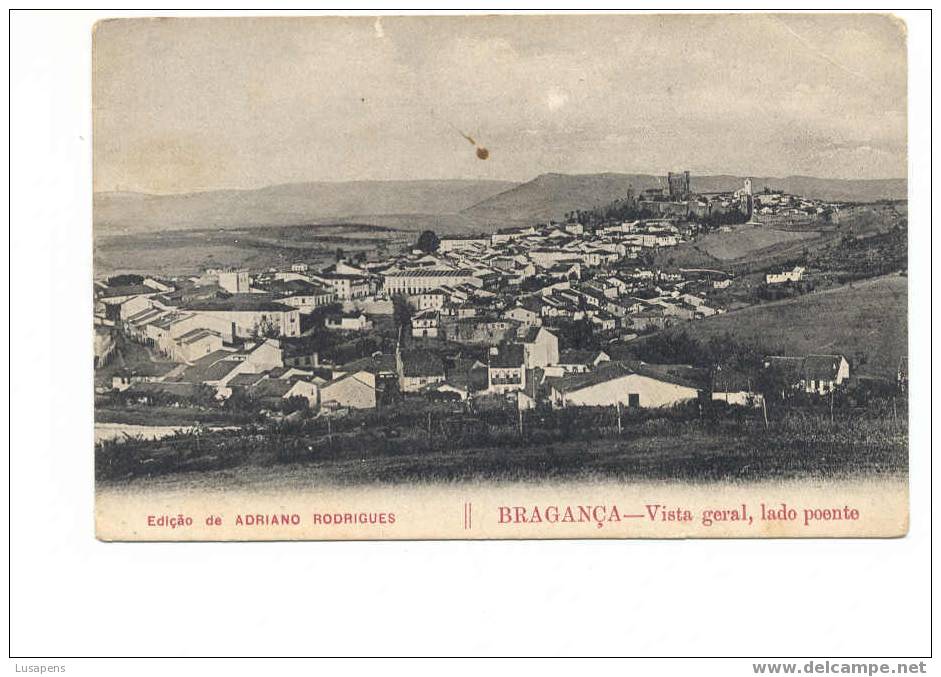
pixel 451 206
pixel 285 205
pixel 866 319
pixel 552 195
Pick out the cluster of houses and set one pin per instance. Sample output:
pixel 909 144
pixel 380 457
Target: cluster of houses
pixel 547 276
pixel 471 286
pixel 777 208
pixel 486 314
pixel 569 379
pixel 216 343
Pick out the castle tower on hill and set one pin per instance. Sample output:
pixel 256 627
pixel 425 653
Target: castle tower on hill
pixel 679 185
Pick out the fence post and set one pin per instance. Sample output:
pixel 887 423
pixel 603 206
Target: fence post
pixel 619 417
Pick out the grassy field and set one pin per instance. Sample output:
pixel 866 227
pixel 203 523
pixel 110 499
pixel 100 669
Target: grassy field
pixel 745 240
pixel 191 251
pixel 168 415
pixel 868 319
pixel 745 248
pixel 568 445
pixel 752 248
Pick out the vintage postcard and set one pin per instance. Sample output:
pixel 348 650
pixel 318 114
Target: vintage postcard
pixel 497 277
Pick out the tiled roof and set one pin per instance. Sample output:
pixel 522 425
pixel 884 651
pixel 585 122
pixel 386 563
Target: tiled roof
pixel 239 302
pixel 126 290
pixel 421 363
pixel 821 367
pixel 271 387
pixel 246 379
pixel 375 365
pixel 286 288
pixel 676 374
pixel 432 273
pixel 170 388
pixel 197 335
pixel 579 356
pixel 509 355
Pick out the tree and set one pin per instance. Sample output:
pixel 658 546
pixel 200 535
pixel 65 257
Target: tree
pixel 773 383
pixel 428 242
pixel 402 314
pixel 578 335
pixel 266 328
pixel 239 400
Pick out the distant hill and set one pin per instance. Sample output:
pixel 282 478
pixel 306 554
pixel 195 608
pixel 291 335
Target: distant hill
pixel 550 196
pixel 287 204
pixel 448 206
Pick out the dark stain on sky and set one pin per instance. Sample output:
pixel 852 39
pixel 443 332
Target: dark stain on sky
pixel 481 152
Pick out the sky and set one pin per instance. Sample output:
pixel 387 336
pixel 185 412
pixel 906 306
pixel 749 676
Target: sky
pixel 185 105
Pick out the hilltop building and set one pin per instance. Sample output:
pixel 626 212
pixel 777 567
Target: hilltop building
pixel 679 186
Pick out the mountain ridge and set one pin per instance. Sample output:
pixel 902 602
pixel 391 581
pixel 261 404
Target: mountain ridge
pixel 298 203
pixel 455 204
pixel 552 195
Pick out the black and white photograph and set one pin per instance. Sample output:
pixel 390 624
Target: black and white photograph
pixel 337 253
pixel 479 332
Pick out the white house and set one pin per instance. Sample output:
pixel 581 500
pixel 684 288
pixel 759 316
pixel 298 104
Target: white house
pixel 820 374
pixel 349 322
pixel 356 390
pixel 346 286
pixel 250 315
pixel 540 346
pixel 525 316
pixel 783 276
pixel 218 368
pixel 234 281
pixel 431 300
pixel 580 361
pixel 425 324
pixel 506 371
pixel 412 282
pixel 165 331
pixel 281 389
pixel 301 294
pixel 197 343
pixel 458 242
pixel 632 384
pixel 418 369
